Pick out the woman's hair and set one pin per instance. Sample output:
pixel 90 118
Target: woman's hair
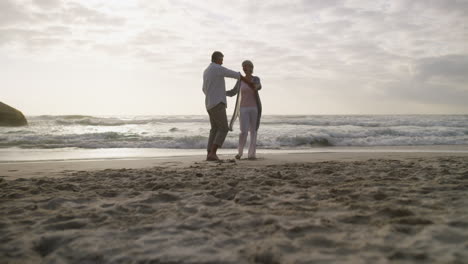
pixel 216 55
pixel 247 62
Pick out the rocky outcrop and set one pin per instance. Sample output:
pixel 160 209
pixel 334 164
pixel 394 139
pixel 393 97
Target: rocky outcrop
pixel 10 116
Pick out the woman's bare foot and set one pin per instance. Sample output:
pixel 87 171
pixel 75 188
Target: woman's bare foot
pixel 252 158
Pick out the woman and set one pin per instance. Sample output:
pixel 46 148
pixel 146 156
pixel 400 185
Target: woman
pixel 248 107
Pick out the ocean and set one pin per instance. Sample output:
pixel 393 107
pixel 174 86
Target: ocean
pixel 79 136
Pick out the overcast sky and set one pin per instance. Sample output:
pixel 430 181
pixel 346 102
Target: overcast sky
pixel 132 57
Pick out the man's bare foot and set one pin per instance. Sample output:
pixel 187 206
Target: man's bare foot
pixel 238 156
pixel 212 157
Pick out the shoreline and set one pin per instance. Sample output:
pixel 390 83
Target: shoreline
pixel 18 155
pixel 31 169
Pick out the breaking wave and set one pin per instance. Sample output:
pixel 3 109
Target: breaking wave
pixel 191 132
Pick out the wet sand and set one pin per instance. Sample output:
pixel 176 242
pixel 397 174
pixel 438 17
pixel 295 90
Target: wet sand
pixel 288 208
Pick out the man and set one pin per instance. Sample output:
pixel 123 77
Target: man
pixel 214 88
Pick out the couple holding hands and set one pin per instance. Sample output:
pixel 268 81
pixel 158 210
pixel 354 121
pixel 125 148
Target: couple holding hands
pixel 248 106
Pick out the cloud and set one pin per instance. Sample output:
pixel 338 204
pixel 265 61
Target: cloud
pixel 156 37
pixel 452 68
pixel 400 49
pixel 17 35
pixel 78 14
pixel 34 39
pixel 48 4
pixel 435 80
pixel 42 24
pixel 12 13
pixel 447 7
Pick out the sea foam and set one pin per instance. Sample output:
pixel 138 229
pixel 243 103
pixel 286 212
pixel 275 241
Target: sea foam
pixel 191 132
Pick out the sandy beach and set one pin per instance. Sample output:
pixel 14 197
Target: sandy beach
pixel 283 208
pixel 354 113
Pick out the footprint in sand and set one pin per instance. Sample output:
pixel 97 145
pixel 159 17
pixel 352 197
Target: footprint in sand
pixel 48 244
pixel 414 221
pixel 54 203
pixel 356 219
pixel 162 197
pixel 74 224
pixel 401 255
pixel 396 212
pixel 322 242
